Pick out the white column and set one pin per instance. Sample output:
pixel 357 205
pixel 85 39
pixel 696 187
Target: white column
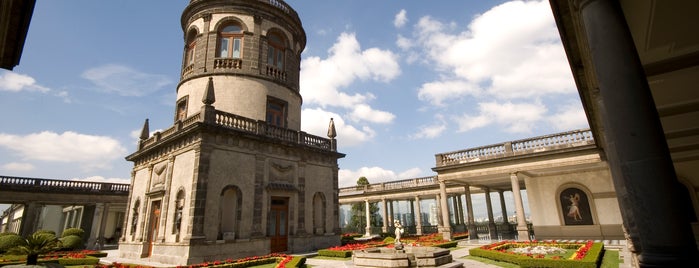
pixel 472 232
pixel 492 229
pixel 522 231
pixel 368 218
pixel 384 214
pixel 418 216
pixel 444 208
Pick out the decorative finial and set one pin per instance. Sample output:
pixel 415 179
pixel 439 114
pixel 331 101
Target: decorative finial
pixel 209 96
pixel 145 132
pixel 331 129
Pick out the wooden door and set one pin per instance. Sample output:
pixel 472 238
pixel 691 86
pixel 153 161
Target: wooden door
pixel 154 224
pixel 277 224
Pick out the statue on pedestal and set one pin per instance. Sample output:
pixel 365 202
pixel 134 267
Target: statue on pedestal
pixel 399 231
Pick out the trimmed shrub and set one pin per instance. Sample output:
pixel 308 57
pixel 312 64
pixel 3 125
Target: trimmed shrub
pixel 297 261
pixel 45 232
pixel 7 233
pixel 335 253
pixel 88 260
pixel 72 242
pixel 73 231
pixel 10 240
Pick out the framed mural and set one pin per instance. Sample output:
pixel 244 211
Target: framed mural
pixel 575 207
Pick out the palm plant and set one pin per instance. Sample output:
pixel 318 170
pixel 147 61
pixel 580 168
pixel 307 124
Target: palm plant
pixel 35 244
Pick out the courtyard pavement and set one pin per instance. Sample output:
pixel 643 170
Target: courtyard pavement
pixel 458 255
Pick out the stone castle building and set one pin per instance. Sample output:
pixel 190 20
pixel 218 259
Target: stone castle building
pixel 234 176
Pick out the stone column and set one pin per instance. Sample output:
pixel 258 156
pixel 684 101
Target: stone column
pixel 505 222
pixel 472 232
pixel 446 226
pixel 639 160
pixel 522 230
pixel 384 214
pixel 455 205
pixel 390 213
pixel 367 213
pixel 462 215
pixel 30 218
pixel 492 229
pixel 418 216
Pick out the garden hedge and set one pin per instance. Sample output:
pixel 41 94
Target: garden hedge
pixel 591 259
pixel 9 240
pixel 335 253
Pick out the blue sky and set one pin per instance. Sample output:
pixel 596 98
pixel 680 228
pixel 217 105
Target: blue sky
pixel 403 80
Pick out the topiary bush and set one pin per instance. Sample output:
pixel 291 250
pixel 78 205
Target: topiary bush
pixel 71 242
pixel 45 232
pixel 9 240
pixel 73 231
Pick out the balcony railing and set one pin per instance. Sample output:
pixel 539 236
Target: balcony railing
pixel 533 145
pixel 247 125
pixel 228 63
pixel 275 73
pixel 63 186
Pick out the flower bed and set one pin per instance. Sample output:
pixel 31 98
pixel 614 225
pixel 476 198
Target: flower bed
pixel 543 253
pixel 81 257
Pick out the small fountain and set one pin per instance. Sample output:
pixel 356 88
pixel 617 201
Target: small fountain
pixel 402 256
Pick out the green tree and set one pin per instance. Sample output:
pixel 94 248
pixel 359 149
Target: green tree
pixel 358 219
pixel 35 244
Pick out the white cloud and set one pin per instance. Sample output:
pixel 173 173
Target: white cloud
pixel 437 92
pixel 87 151
pixel 323 79
pixel 400 19
pixel 569 117
pixel 511 117
pixel 316 122
pixel 15 166
pixel 363 112
pixel 347 178
pixel 125 81
pixel 14 82
pixel 511 51
pixel 433 130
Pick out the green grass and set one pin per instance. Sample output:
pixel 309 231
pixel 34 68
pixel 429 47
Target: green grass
pixel 492 262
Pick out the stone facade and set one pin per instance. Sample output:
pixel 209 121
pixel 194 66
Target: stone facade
pixel 228 180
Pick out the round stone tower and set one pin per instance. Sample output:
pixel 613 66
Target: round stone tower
pixel 234 176
pixel 252 50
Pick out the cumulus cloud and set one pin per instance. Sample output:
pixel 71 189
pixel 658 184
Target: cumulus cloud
pixel 316 122
pixel 349 178
pixel 438 91
pixel 569 116
pixel 125 81
pixel 88 151
pixel 512 117
pixel 14 82
pixel 433 130
pixel 511 51
pixel 365 112
pixel 322 80
pixel 15 166
pixel 400 19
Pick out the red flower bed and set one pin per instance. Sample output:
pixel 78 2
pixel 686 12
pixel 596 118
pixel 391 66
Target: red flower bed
pixel 542 253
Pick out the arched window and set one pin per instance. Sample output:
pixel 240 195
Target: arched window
pixel 134 217
pixel 575 207
pixel 191 48
pixel 319 213
pixel 230 41
pixel 230 198
pixel 179 206
pixel 275 51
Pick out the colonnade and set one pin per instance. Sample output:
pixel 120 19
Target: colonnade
pixel 460 218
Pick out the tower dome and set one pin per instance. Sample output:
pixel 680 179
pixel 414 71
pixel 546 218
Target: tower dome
pixel 252 50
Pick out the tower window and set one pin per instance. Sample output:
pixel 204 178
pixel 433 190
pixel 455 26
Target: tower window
pixel 230 41
pixel 275 51
pixel 276 112
pixel 191 48
pixel 181 112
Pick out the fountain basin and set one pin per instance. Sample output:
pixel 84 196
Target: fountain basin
pixel 406 257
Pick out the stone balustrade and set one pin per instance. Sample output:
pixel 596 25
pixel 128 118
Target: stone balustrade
pixel 247 125
pixel 63 186
pixel 533 145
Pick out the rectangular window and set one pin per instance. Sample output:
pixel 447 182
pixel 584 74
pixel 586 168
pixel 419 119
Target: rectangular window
pixel 223 48
pixel 276 113
pixel 236 48
pixel 270 55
